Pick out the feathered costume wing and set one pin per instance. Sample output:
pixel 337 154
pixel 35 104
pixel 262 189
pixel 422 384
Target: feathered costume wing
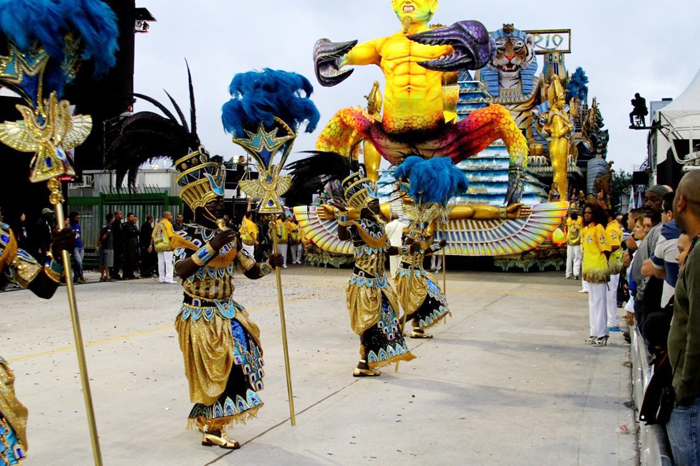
pixel 147 136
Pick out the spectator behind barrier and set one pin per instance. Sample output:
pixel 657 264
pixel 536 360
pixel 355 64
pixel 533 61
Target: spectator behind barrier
pixel 684 337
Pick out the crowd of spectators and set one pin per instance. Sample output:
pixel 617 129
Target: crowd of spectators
pixel 659 278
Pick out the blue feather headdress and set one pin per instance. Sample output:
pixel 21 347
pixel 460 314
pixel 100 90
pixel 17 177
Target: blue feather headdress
pixel 431 181
pixel 65 31
pixel 259 97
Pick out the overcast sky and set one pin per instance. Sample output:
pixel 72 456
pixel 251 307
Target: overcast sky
pixel 645 46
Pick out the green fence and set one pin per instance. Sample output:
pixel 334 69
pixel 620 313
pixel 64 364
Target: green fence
pixel 93 210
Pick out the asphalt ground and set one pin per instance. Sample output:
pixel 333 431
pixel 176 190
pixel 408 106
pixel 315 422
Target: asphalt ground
pixel 507 380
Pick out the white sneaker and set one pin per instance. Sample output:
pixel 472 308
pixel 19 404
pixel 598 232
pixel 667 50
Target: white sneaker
pixel 583 291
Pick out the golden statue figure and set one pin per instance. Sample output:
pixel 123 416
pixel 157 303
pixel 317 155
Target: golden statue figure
pixel 558 126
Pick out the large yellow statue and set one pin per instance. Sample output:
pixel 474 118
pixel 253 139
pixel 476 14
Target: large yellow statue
pixel 414 62
pixel 559 126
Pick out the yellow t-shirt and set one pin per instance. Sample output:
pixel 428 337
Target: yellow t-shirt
pixel 248 231
pixel 573 228
pixel 303 237
pixel 282 233
pixel 614 230
pixel 292 231
pixel 161 235
pixel 594 243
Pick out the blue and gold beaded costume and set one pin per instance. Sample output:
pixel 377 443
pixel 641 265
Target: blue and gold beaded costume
pixel 421 297
pixel 21 268
pixel 372 303
pixel 220 344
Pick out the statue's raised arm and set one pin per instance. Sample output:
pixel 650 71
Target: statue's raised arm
pixel 470 41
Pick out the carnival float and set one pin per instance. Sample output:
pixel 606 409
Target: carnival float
pixel 501 105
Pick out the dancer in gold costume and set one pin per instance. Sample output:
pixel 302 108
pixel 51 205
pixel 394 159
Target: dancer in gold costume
pixel 220 344
pixel 19 267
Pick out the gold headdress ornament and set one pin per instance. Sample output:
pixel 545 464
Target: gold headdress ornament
pixel 200 180
pixel 556 90
pixel 359 190
pixel 263 146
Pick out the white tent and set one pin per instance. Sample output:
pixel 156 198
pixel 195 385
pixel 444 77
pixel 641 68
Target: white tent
pixel 679 120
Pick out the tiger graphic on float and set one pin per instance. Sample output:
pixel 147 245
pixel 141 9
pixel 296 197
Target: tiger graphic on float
pixel 511 75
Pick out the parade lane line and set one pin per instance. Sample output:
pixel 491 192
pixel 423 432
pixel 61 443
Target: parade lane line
pixel 155 330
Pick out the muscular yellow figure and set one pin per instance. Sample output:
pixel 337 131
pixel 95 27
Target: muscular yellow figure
pixel 415 61
pixel 413 93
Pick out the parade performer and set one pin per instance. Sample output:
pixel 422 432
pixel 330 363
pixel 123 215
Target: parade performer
pixel 42 46
pixel 416 61
pixel 19 267
pixel 430 185
pixel 596 248
pixel 614 231
pixel 249 231
pixel 371 301
pixel 220 344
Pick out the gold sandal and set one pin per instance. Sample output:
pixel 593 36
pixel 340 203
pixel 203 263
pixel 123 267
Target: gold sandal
pixel 221 440
pixel 419 333
pixel 365 373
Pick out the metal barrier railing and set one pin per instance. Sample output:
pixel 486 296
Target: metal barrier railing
pixel 654 449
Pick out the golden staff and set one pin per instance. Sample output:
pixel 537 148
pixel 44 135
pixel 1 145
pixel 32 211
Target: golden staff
pixel 268 188
pixel 283 324
pixel 49 130
pixel 444 267
pixel 56 198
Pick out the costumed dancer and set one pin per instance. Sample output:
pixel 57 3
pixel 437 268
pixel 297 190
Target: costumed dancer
pixel 249 231
pixel 220 344
pixel 371 301
pixel 19 267
pixel 430 184
pixel 595 244
pixel 43 44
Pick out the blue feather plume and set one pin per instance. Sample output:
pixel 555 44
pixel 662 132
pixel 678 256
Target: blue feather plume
pixel 578 86
pixel 433 180
pixel 50 21
pixel 258 97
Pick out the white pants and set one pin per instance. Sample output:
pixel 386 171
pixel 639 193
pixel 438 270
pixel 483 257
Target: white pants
pixel 597 309
pixel 393 265
pixel 250 249
pixel 573 261
pixel 613 318
pixel 436 261
pixel 282 248
pixel 165 266
pixel 584 285
pixel 296 251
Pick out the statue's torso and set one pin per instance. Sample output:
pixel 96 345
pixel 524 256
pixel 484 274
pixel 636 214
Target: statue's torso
pixel 413 94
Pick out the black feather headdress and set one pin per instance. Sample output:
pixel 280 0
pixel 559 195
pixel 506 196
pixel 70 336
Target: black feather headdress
pixel 147 136
pixel 319 171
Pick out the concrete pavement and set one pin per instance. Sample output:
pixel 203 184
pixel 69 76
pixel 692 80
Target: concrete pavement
pixel 507 381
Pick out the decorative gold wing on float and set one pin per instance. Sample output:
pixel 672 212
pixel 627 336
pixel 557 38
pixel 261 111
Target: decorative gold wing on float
pixel 487 238
pixel 322 229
